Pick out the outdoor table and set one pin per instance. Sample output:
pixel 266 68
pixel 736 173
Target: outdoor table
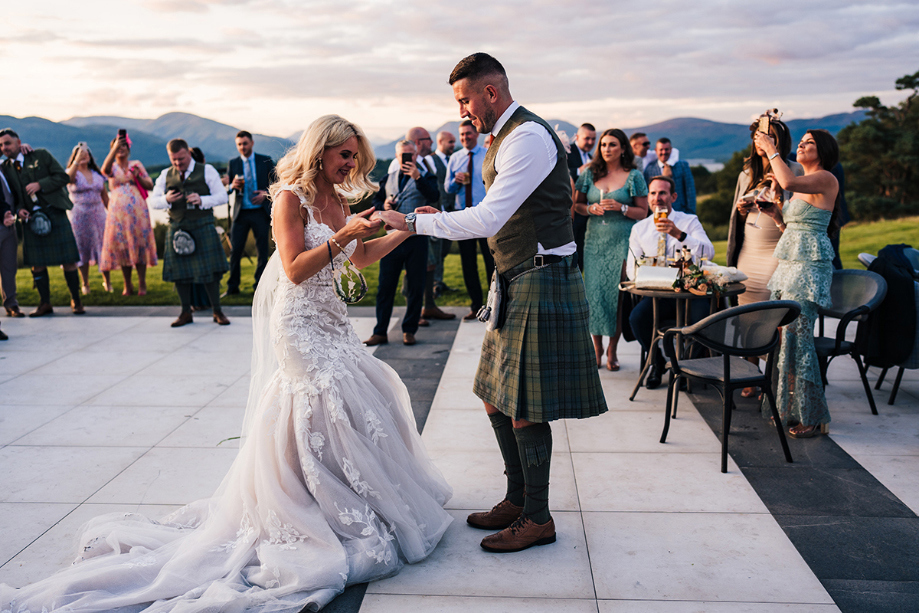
pixel 732 289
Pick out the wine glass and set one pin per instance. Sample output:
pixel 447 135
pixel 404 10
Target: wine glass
pixel 602 217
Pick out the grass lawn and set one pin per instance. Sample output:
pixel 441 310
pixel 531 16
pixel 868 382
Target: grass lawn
pixel 856 238
pixel 162 293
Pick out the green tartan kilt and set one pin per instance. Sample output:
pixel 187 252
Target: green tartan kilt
pixel 540 365
pixel 58 247
pixel 206 264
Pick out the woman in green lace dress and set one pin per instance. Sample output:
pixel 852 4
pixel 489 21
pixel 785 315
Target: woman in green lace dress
pixel 804 274
pixel 606 243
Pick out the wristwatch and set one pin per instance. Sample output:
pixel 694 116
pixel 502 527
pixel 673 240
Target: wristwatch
pixel 773 156
pixel 410 222
pixel 682 237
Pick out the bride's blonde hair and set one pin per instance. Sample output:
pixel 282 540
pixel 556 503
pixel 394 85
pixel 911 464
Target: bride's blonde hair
pixel 300 166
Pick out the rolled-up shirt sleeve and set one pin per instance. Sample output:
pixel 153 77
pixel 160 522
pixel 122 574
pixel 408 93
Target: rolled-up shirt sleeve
pixel 697 240
pixel 525 159
pixel 218 195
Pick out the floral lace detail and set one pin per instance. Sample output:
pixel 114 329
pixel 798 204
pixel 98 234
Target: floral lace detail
pixel 317 442
pixel 354 478
pixel 374 426
pixel 282 535
pixel 276 573
pixel 245 534
pixel 372 526
pixel 308 465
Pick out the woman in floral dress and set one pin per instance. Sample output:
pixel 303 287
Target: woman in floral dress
pixel 128 241
pixel 87 192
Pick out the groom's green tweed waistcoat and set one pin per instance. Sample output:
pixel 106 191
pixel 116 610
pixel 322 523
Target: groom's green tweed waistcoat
pixel 195 183
pixel 544 217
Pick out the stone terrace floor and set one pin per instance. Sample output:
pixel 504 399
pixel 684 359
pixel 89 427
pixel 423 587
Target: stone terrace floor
pixel 115 411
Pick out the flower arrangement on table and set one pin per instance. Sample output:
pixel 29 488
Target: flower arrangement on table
pixel 705 279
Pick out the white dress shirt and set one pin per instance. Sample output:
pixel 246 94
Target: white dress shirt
pixel 524 160
pixel 218 194
pixel 644 235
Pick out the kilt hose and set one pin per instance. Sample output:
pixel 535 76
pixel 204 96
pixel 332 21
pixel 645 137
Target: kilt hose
pixel 58 247
pixel 540 365
pixel 206 264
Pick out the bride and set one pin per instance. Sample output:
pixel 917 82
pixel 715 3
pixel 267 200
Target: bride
pixel 332 484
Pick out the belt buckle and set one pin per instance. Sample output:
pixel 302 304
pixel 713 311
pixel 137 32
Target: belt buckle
pixel 539 260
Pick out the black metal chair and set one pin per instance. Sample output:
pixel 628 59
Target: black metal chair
pixel 855 294
pixel 735 333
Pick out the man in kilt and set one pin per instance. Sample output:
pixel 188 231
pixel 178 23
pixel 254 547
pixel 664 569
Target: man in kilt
pixel 190 191
pixel 39 184
pixel 539 365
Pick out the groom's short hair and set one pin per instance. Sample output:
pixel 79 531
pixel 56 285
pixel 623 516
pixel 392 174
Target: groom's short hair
pixel 476 66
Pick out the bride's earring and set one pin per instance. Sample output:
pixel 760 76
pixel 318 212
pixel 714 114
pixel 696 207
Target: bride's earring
pixel 319 162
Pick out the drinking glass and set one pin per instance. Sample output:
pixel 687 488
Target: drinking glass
pixel 603 217
pixel 755 223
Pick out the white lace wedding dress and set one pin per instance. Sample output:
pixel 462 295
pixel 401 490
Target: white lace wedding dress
pixel 332 485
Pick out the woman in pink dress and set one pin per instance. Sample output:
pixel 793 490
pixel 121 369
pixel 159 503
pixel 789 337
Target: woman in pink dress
pixel 128 241
pixel 87 192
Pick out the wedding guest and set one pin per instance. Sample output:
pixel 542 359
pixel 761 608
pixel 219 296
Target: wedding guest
pixel 128 241
pixel 250 174
pixel 751 247
pixel 40 183
pixel 804 274
pixel 641 146
pixel 611 175
pixel 404 190
pixel 190 191
pixel 439 159
pixel 90 200
pixel 678 229
pixel 446 143
pixel 667 165
pixel 9 244
pixel 464 180
pixel 578 159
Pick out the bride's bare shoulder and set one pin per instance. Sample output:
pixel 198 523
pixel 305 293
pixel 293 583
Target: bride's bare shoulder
pixel 287 205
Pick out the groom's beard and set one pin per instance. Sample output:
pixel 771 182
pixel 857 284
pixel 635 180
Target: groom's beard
pixel 488 121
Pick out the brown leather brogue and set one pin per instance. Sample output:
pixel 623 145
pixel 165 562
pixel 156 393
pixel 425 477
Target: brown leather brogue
pixel 376 339
pixel 77 308
pixel 183 319
pixel 436 313
pixel 522 534
pixel 42 310
pixel 501 516
pixel 408 338
pixel 221 319
pixel 14 312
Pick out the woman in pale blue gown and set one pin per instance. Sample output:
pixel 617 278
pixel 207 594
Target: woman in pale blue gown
pixel 625 200
pixel 804 274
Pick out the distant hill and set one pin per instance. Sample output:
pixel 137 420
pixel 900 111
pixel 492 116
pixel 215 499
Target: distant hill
pixel 696 138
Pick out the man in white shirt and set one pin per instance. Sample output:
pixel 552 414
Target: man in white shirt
pixel 464 181
pixel 190 191
pixel 538 363
pixel 677 230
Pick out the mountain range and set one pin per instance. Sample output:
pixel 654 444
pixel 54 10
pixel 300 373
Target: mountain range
pixel 697 139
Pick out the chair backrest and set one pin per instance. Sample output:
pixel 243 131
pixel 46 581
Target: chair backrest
pixel 913 256
pixel 866 259
pixel 745 330
pixel 852 289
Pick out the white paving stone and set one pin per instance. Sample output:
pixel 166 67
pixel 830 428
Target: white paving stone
pixel 386 603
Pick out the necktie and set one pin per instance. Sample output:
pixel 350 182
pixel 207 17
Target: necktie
pixel 666 170
pixel 17 165
pixel 249 175
pixel 469 184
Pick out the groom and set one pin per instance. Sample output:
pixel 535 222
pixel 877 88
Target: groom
pixel 539 366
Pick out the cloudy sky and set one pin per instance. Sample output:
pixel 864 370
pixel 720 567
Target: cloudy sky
pixel 272 66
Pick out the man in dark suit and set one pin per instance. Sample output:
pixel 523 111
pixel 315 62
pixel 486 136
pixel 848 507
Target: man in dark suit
pixel 250 209
pixel 39 185
pixel 8 245
pixel 578 158
pixel 679 172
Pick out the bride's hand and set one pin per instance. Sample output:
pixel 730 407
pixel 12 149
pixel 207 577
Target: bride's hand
pixel 361 226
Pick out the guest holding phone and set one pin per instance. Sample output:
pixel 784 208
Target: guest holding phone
pixel 751 243
pixel 614 195
pixel 87 217
pixel 804 273
pixel 128 241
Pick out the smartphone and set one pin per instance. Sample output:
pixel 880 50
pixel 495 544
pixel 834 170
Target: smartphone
pixel 406 158
pixel 763 124
pixel 122 133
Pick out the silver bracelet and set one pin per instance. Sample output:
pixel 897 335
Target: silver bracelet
pixel 625 210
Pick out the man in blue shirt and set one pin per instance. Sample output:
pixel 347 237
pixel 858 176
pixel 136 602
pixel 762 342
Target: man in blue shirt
pixel 464 178
pixel 679 172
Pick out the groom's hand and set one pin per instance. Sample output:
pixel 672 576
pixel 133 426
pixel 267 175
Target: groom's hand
pixel 394 220
pixel 426 210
